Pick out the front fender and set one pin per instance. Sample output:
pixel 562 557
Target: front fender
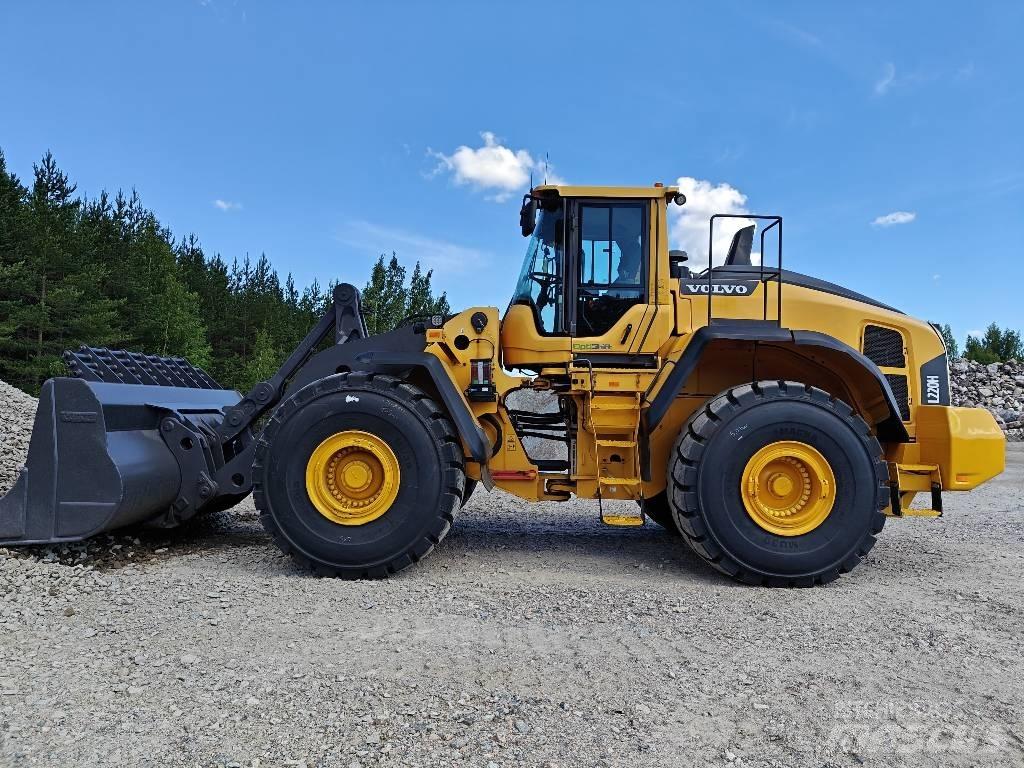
pixel 396 353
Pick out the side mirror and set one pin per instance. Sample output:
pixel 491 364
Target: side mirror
pixel 676 264
pixel 528 215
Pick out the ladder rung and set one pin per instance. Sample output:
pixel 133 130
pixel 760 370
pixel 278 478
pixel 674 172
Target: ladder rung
pixel 625 521
pixel 618 480
pixel 616 443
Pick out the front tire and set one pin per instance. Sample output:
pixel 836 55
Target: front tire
pixel 822 443
pixel 470 487
pixel 401 432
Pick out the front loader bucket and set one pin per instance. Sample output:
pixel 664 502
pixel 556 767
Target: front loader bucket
pixel 97 460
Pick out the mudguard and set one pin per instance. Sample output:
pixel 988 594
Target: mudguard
pixel 892 428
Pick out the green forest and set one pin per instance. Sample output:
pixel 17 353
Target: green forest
pixel 106 272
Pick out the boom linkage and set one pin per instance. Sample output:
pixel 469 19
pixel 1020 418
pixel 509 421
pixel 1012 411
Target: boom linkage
pixel 345 317
pixel 235 431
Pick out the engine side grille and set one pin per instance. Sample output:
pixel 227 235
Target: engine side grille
pixel 898 385
pixel 884 346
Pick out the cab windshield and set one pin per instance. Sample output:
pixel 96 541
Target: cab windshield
pixel 540 281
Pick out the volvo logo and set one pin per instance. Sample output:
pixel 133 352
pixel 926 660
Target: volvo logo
pixel 729 289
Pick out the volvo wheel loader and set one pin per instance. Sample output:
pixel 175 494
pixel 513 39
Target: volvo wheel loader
pixel 769 419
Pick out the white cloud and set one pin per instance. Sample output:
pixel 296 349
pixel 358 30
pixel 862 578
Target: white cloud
pixel 883 85
pixel 896 217
pixel 797 34
pixel 976 334
pixel 227 205
pixel 689 224
pixel 493 167
pixel 440 255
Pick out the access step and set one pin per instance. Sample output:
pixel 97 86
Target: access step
pixel 615 443
pixel 623 521
pixel 619 480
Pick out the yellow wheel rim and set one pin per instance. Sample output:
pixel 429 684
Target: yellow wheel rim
pixel 788 488
pixel 352 477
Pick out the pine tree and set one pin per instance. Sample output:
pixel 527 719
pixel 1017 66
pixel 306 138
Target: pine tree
pixel 952 350
pixel 263 361
pixel 975 350
pixel 418 300
pixel 1003 344
pixel 63 301
pixel 384 298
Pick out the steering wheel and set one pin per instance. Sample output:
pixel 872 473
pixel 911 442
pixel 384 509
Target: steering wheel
pixel 546 281
pixel 543 279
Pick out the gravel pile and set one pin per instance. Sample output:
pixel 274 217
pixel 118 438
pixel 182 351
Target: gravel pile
pixel 17 412
pixel 999 387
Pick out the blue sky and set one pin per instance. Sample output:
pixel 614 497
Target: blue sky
pixel 888 135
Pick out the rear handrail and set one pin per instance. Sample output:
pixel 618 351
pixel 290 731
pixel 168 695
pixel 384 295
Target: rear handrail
pixel 776 221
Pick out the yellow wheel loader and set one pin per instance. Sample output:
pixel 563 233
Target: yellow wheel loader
pixel 769 419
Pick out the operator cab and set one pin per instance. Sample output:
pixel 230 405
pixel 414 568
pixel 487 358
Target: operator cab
pixel 586 273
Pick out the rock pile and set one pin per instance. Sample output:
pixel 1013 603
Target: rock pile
pixel 999 387
pixel 17 412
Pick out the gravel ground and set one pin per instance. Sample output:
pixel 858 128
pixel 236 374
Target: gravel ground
pixel 532 636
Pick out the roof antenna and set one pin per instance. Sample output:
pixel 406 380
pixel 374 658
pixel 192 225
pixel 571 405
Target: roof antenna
pixel 545 167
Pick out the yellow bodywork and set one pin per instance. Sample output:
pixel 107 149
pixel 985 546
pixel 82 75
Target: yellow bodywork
pixel 966 445
pixel 955 447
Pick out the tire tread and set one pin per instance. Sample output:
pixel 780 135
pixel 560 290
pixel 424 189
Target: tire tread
pixel 704 423
pixel 437 424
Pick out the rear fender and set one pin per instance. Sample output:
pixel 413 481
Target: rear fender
pixel 858 370
pixel 890 428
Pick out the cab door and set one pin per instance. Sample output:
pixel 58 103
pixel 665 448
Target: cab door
pixel 609 304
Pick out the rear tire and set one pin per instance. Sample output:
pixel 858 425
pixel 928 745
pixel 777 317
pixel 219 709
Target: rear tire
pixel 707 471
pixel 430 487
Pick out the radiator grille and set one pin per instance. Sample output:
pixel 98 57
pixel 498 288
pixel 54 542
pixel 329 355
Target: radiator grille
pixel 898 385
pixel 884 346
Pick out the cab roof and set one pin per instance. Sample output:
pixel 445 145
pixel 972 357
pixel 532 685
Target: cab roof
pixel 558 190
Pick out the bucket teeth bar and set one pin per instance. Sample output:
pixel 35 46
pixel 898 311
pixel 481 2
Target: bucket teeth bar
pixel 118 366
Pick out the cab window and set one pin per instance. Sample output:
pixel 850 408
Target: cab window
pixel 611 265
pixel 540 285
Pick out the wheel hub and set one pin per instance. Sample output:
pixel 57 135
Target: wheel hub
pixel 352 477
pixel 788 488
pixel 357 475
